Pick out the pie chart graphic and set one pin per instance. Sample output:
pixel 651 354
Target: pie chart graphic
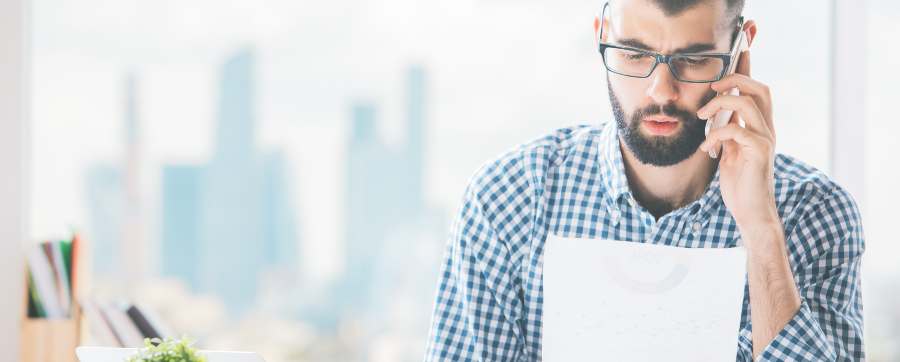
pixel 648 273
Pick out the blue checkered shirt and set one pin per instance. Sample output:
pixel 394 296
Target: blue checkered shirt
pixel 572 183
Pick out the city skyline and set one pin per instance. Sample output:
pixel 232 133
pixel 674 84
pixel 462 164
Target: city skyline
pixel 492 85
pixel 227 229
pixel 241 199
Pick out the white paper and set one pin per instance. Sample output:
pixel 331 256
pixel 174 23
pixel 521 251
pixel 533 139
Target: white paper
pixel 607 300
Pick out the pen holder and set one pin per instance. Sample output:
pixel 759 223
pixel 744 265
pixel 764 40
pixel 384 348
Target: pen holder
pixel 50 340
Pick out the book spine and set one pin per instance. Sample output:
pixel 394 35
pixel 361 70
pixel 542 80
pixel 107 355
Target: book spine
pixel 62 277
pixel 143 325
pixel 122 326
pixel 98 325
pixel 161 328
pixel 35 307
pixel 42 273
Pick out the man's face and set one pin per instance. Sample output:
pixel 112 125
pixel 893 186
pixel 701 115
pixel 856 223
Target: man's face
pixel 656 116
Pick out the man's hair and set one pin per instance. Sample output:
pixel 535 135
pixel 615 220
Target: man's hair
pixel 733 8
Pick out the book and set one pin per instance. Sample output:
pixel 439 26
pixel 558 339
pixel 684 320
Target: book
pixel 77 244
pixel 66 247
pixel 125 330
pixel 161 328
pixel 148 330
pixel 98 325
pixel 35 308
pixel 61 276
pixel 44 283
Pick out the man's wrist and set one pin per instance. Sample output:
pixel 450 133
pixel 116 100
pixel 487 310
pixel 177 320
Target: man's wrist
pixel 764 239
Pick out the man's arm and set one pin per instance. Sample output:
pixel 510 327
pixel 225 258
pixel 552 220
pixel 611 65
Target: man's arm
pixel 476 306
pixel 818 317
pixel 825 301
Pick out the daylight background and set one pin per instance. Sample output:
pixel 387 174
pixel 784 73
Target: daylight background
pixel 281 176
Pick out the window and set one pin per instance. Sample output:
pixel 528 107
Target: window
pixel 291 169
pixel 881 271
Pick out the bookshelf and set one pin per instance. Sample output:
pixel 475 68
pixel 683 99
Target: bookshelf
pixel 54 340
pixel 51 318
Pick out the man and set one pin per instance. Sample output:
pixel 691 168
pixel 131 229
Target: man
pixel 651 177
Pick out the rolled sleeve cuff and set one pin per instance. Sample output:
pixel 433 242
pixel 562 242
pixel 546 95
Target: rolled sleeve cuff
pixel 802 339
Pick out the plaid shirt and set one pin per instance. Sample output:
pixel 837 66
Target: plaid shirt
pixel 572 183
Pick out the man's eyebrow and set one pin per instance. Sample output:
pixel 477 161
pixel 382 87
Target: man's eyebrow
pixel 693 48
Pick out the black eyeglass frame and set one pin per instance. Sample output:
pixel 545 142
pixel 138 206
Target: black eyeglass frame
pixel 667 59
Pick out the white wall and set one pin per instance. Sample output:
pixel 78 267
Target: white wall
pixel 848 85
pixel 13 170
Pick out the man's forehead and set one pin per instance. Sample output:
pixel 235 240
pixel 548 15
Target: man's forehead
pixel 646 22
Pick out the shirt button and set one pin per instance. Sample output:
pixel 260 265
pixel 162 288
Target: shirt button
pixel 696 226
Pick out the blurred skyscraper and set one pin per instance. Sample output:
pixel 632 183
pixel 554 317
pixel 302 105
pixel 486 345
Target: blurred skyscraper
pixel 113 192
pixel 134 250
pixel 226 222
pixel 105 197
pixel 385 196
pixel 415 137
pixel 180 222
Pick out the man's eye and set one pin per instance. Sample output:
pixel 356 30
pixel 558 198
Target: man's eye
pixel 637 56
pixel 695 61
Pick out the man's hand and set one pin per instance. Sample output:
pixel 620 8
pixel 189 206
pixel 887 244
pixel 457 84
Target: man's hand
pixel 747 181
pixel 746 167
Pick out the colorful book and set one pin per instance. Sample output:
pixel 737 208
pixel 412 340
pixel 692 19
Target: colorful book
pixel 44 281
pixel 35 308
pixel 67 259
pixel 76 261
pixel 61 276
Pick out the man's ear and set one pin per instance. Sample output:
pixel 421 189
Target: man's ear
pixel 597 30
pixel 750 30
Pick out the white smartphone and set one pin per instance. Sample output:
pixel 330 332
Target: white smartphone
pixel 723 116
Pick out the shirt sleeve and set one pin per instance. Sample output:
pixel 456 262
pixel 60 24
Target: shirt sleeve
pixel 476 308
pixel 829 324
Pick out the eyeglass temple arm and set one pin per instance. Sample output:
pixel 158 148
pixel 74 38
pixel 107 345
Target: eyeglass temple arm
pixel 598 23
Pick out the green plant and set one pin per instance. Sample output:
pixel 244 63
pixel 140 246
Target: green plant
pixel 167 350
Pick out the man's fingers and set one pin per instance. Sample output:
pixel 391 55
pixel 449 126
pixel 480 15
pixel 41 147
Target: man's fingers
pixel 743 105
pixel 755 89
pixel 741 136
pixel 743 83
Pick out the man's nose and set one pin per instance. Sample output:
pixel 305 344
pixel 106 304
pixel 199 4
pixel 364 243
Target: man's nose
pixel 663 87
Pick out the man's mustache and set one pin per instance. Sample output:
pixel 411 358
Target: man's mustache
pixel 672 110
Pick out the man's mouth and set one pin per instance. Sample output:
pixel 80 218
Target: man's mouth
pixel 660 125
pixel 660 119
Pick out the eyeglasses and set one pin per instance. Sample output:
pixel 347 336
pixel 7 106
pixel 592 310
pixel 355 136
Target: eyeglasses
pixel 690 68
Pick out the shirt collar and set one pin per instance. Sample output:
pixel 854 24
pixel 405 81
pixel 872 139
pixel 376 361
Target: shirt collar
pixel 612 169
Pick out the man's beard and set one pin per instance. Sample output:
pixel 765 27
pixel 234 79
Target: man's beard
pixel 660 150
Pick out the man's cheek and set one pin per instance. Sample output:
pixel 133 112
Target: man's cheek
pixel 704 99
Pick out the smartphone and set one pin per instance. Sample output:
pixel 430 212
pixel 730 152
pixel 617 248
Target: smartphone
pixel 723 116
